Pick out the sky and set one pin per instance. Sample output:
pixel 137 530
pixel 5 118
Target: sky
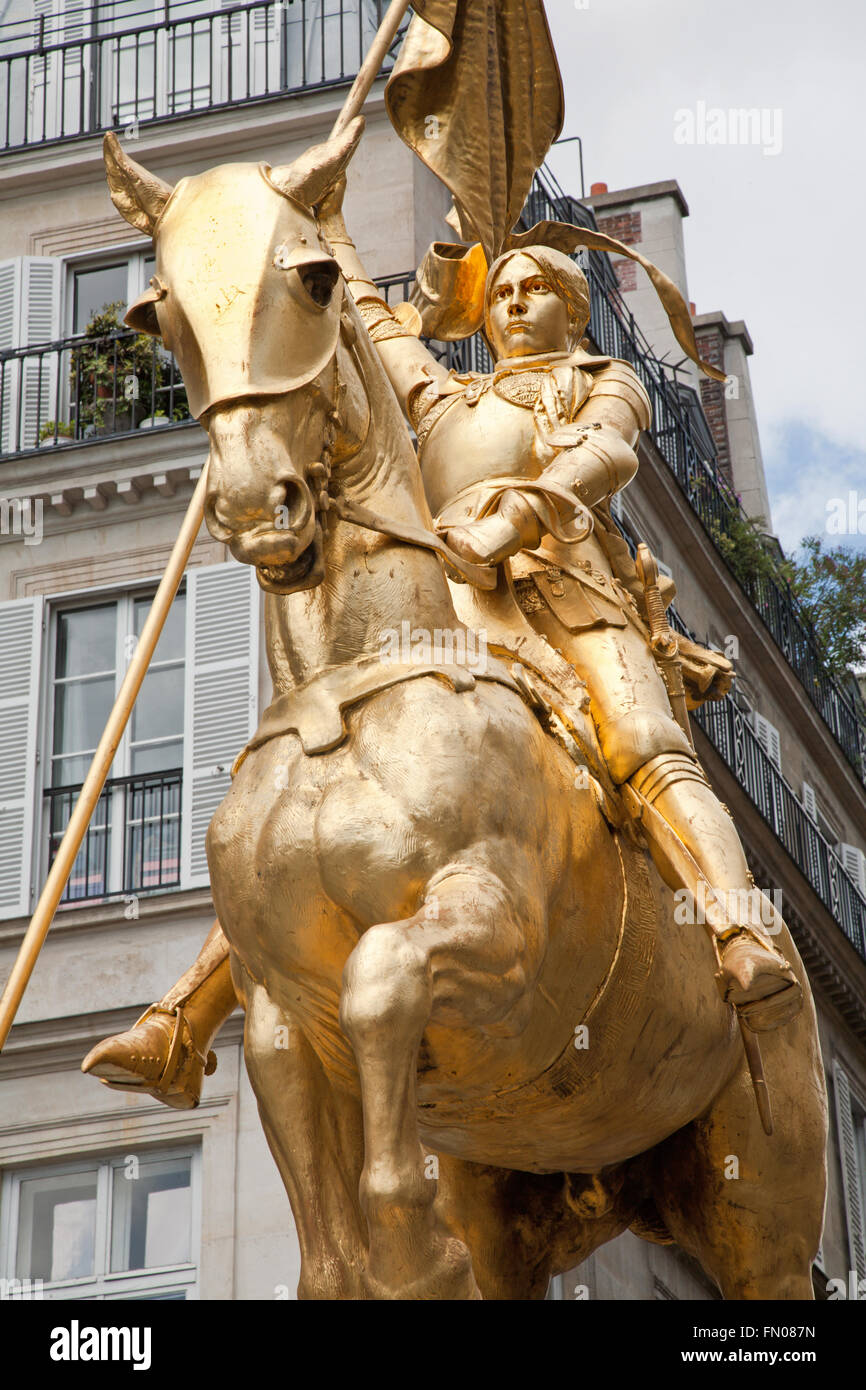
pixel 773 237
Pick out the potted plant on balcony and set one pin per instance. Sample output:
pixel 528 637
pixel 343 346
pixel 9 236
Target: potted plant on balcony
pixel 53 431
pixel 115 375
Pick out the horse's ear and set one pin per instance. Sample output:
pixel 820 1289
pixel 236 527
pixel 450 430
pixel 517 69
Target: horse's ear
pixel 309 178
pixel 142 314
pixel 139 196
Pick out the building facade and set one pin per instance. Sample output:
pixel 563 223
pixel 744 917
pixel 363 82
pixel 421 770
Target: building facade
pixel 111 1197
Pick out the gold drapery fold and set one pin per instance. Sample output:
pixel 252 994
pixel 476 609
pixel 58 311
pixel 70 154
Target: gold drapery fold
pixel 449 284
pixel 476 93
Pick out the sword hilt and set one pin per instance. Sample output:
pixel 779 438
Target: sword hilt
pixel 662 639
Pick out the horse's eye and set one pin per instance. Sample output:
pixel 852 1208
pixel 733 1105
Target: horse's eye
pixel 320 283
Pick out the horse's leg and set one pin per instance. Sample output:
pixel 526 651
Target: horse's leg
pixel 466 966
pixel 522 1228
pixel 315 1135
pixel 749 1207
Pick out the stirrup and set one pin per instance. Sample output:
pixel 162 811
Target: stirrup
pixel 772 999
pixel 167 1075
pixel 178 1083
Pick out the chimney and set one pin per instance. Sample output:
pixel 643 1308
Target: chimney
pixel 649 218
pixel 730 410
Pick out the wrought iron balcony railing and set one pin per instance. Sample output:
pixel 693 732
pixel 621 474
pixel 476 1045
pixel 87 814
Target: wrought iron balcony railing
pixel 112 66
pixel 132 844
pixel 729 731
pixel 81 389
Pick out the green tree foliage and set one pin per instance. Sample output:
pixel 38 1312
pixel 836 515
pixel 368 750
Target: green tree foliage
pixel 830 586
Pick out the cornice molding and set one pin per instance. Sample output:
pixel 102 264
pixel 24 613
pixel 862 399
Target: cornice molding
pixel 97 572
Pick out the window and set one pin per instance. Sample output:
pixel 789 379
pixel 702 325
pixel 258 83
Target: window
pixel 103 279
pixel 116 380
pixel 851 1129
pixel 62 663
pixel 108 379
pixel 133 843
pixel 122 1227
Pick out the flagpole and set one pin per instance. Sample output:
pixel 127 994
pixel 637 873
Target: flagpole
pixel 369 70
pixel 34 937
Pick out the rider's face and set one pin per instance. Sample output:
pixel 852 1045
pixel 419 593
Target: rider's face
pixel 526 313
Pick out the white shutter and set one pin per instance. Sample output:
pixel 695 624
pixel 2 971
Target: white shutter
pixel 810 804
pixel 10 298
pixel 768 736
pixel 75 79
pixel 42 92
pixel 854 864
pixel 814 847
pixel 21 649
pixel 29 315
pixel 60 80
pixel 251 49
pixel 221 705
pixel 852 1178
pixel 40 312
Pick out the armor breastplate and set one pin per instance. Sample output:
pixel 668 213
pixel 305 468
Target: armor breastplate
pixel 495 437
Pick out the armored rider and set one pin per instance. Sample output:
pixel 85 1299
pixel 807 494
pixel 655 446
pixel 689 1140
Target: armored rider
pixel 511 461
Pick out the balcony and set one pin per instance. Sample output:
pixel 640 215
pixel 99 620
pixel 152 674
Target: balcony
pixel 82 389
pixel 733 738
pixel 132 62
pixel 132 844
pixel 727 729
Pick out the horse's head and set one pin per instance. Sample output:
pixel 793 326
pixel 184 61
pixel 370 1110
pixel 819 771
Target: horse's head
pixel 250 301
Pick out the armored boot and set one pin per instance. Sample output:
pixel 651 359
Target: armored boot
pixel 166 1054
pixel 753 975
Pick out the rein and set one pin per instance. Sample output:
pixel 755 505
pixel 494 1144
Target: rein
pixel 481 576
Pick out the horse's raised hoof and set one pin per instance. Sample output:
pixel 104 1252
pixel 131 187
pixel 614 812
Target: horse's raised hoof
pixel 759 983
pixel 157 1057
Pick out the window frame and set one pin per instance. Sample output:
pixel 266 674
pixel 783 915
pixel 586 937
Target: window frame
pixel 134 253
pixel 125 595
pixel 849 1090
pixel 104 1285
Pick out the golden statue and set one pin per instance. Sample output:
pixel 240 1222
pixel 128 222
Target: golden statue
pixel 481 1039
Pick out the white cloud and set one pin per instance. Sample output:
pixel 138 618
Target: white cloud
pixel 773 240
pixel 814 481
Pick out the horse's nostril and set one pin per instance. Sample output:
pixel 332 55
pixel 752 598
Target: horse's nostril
pixel 294 511
pixel 218 523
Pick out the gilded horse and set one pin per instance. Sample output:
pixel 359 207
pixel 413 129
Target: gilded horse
pixel 480 1042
